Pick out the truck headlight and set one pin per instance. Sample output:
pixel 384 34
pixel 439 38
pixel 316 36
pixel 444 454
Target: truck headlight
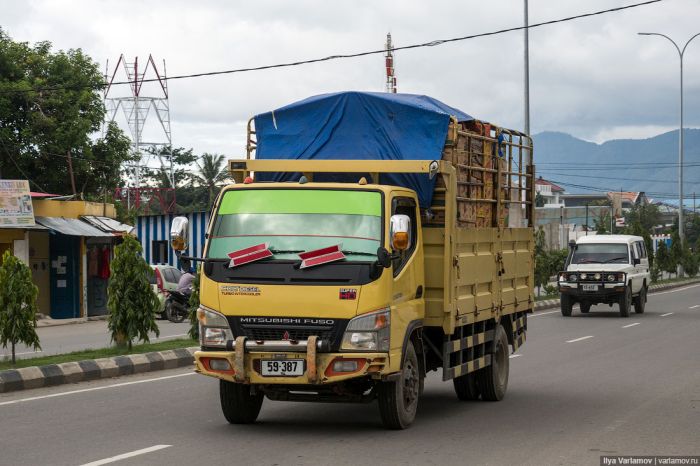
pixel 213 328
pixel 368 332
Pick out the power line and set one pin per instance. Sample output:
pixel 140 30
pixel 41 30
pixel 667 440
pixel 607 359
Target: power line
pixel 616 178
pixel 433 43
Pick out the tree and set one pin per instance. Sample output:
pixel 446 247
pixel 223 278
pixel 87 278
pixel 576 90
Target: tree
pixel 211 174
pixel 539 200
pixel 663 258
pixel 50 106
pixel 132 303
pixel 647 216
pixel 541 262
pixel 676 251
pixel 602 223
pixel 17 304
pixel 689 261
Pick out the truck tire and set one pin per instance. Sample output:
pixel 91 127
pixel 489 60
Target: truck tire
pixel 465 387
pixel 641 301
pixel 585 307
pixel 492 380
pixel 398 400
pixel 237 403
pixel 566 304
pixel 626 302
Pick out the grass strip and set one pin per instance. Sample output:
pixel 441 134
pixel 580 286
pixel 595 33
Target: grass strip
pixel 99 353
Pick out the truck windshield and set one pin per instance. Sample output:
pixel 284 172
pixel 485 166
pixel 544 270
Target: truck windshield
pixel 298 220
pixel 602 253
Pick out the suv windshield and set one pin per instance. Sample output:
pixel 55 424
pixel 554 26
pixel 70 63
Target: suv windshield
pixel 297 220
pixel 600 254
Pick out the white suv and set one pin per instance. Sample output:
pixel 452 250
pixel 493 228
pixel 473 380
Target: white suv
pixel 610 269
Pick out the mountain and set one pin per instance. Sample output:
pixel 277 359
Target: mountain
pixel 649 165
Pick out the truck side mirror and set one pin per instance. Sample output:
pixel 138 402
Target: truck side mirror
pixel 636 261
pixel 383 257
pixel 400 232
pixel 179 234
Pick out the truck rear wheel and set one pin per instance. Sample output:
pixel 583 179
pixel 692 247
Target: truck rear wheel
pixel 566 304
pixel 398 400
pixel 641 301
pixel 238 404
pixel 465 387
pixel 626 302
pixel 492 380
pixel 585 307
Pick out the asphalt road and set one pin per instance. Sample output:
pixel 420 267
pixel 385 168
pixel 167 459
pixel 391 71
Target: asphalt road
pixel 88 335
pixel 626 389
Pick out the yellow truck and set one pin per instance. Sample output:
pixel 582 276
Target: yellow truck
pixel 345 278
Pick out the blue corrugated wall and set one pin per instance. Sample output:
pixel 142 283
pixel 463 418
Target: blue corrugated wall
pixel 157 228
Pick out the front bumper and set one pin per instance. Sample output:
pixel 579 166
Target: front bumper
pixel 604 290
pixel 245 365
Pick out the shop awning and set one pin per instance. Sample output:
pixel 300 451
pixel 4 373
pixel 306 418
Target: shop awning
pixel 71 226
pixel 108 225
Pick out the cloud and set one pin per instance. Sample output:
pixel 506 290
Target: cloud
pixel 594 77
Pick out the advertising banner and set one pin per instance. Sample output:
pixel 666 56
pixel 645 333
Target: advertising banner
pixel 15 204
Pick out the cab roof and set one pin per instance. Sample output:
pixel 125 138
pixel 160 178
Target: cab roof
pixel 627 239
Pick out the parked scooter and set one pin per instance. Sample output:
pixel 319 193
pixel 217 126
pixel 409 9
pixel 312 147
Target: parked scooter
pixel 177 306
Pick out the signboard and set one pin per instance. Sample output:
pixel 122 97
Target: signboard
pixel 15 204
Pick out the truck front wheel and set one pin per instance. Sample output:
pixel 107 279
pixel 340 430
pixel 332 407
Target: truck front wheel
pixel 492 380
pixel 398 400
pixel 238 404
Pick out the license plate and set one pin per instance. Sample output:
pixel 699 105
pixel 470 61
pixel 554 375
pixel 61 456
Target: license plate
pixel 282 367
pixel 590 287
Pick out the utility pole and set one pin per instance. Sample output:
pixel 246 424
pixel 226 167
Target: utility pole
pixel 70 172
pixel 527 75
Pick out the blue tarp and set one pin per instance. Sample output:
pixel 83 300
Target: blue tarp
pixel 358 126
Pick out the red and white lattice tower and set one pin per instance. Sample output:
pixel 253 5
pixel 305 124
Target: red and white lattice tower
pixel 390 77
pixel 137 104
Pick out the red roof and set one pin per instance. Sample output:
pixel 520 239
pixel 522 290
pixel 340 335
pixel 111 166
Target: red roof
pixel 543 182
pixel 33 194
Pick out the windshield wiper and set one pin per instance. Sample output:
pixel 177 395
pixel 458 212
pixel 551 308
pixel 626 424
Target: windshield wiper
pixel 291 251
pixel 587 261
pixel 359 253
pixel 615 259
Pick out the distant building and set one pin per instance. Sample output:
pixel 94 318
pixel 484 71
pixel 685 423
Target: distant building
pixel 153 231
pixel 548 190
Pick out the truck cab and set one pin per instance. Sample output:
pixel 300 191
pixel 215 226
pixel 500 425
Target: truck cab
pixel 608 269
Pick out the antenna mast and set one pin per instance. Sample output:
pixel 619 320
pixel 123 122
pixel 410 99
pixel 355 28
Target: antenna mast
pixel 390 77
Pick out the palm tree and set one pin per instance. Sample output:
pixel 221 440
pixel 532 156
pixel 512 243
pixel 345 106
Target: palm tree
pixel 211 173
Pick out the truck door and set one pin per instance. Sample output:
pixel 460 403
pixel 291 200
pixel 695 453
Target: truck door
pixel 407 268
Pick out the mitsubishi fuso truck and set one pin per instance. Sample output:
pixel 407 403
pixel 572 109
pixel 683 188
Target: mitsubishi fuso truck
pixel 368 240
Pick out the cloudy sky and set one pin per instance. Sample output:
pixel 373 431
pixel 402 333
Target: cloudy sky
pixel 594 78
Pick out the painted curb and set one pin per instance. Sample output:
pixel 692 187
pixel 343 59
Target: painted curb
pixel 551 303
pixel 94 369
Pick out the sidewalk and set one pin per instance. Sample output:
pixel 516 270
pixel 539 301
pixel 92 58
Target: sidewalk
pixel 46 321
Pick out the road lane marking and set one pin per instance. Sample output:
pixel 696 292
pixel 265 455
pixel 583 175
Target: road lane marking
pixel 513 356
pixel 124 456
pixel 667 314
pixel 543 313
pixel 630 325
pixel 693 307
pixel 84 390
pixel 172 336
pixel 579 339
pixel 674 291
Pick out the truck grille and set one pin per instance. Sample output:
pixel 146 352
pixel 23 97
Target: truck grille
pixel 297 329
pixel 269 334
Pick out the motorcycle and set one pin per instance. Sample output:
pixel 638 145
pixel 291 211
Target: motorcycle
pixel 177 306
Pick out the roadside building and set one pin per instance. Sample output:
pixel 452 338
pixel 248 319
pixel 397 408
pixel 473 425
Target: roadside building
pixel 549 191
pixel 68 250
pixel 153 231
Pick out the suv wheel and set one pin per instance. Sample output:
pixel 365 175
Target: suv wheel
pixel 585 307
pixel 626 302
pixel 566 303
pixel 641 301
